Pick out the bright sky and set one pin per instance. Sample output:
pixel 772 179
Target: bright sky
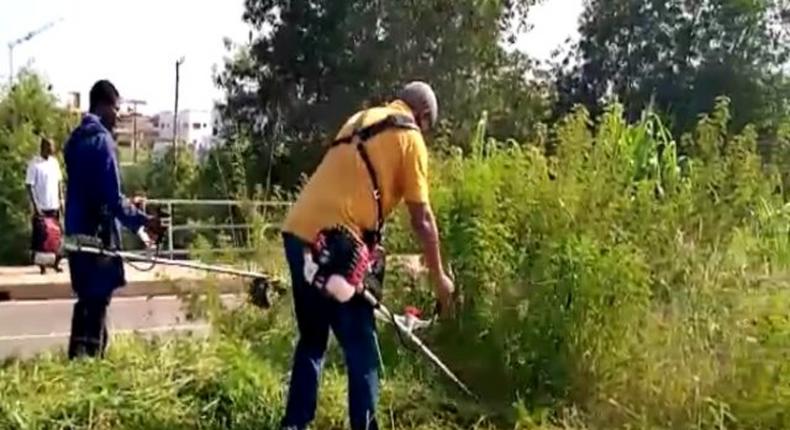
pixel 136 43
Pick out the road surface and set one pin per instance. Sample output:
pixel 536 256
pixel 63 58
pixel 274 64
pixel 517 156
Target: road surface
pixel 30 327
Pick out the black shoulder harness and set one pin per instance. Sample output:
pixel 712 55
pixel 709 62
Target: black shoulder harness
pixel 363 134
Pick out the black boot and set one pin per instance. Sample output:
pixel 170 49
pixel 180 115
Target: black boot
pixel 77 336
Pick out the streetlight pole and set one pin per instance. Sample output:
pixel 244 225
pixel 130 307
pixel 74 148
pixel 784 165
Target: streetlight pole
pixel 23 39
pixel 175 116
pixel 10 64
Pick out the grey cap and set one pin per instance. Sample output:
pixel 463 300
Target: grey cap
pixel 420 96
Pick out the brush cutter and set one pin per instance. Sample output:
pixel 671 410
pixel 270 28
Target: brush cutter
pixel 258 290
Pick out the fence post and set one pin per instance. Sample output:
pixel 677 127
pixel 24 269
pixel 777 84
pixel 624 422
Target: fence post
pixel 170 230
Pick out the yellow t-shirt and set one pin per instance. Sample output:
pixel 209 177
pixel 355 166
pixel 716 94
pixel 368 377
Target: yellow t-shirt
pixel 340 191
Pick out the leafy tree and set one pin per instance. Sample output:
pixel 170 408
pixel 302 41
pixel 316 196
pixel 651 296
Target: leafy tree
pixel 28 111
pixel 162 182
pixel 314 62
pixel 681 55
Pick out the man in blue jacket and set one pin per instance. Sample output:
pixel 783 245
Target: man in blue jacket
pixel 94 207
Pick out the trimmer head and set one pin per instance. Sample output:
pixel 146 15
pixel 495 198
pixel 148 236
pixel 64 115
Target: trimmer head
pixel 262 291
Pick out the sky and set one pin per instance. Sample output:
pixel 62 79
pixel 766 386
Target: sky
pixel 136 43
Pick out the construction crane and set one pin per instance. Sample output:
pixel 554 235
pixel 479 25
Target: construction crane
pixel 23 39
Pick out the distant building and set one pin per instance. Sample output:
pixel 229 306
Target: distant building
pixel 194 126
pixel 73 102
pixel 197 130
pixel 135 130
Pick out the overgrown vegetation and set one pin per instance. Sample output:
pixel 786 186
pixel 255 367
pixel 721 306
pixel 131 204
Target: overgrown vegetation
pixel 611 284
pixel 236 379
pixel 621 281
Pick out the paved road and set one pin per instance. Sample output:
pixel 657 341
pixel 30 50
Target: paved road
pixel 29 327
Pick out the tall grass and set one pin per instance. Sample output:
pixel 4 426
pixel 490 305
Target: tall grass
pixel 608 273
pixel 612 276
pixel 236 377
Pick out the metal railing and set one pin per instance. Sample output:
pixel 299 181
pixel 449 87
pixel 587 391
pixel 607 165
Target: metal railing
pixel 170 206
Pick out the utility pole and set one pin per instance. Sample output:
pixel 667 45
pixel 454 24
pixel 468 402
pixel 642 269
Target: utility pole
pixel 10 65
pixel 175 116
pixel 13 44
pixel 134 127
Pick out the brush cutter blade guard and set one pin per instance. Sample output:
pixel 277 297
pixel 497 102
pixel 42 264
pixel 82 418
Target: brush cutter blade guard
pixel 259 293
pixel 408 322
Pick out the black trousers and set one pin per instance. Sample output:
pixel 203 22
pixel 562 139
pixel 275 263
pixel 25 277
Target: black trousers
pixel 89 328
pixel 93 280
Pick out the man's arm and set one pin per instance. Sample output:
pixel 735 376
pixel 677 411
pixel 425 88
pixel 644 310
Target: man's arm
pixel 110 187
pixel 423 224
pixel 30 180
pixel 416 196
pixel 32 198
pixel 61 196
pixel 415 186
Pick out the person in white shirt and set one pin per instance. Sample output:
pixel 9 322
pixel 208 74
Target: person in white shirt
pixel 44 180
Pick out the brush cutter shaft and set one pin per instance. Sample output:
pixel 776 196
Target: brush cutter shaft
pixel 158 260
pixel 416 340
pixel 439 363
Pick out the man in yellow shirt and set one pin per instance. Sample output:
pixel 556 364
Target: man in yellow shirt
pixel 342 194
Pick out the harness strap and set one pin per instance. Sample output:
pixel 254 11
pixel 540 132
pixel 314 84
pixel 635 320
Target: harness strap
pixel 362 135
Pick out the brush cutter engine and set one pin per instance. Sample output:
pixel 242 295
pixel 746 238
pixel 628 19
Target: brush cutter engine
pixel 340 265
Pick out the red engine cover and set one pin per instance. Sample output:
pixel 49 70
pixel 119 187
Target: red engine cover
pixel 52 235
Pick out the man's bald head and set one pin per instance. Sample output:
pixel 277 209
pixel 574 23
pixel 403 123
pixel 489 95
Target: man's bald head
pixel 422 101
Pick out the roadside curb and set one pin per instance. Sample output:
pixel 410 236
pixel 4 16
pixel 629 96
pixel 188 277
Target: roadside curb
pixel 62 290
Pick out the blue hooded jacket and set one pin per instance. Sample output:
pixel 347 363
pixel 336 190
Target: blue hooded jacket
pixel 94 202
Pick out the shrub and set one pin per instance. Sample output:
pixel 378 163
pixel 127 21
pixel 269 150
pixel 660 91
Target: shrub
pixel 592 273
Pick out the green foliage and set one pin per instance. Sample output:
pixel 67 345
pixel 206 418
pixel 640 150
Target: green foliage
pixel 173 175
pixel 590 274
pixel 27 112
pixel 680 56
pixel 313 63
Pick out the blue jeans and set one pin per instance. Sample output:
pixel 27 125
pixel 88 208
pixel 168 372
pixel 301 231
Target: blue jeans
pixel 353 324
